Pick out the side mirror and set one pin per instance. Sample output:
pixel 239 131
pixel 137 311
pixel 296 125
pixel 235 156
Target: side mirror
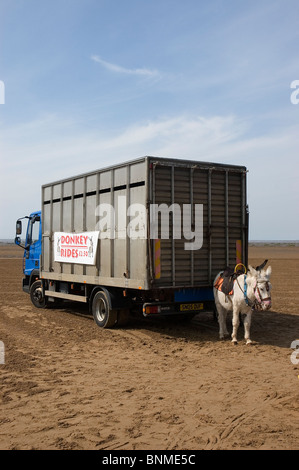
pixel 19 227
pixel 18 240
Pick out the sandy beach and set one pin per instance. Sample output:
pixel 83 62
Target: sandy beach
pixel 154 384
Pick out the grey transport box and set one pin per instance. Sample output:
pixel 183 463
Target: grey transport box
pixel 70 206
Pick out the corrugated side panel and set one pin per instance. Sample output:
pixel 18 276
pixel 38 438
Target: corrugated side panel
pixel 72 206
pixel 163 184
pixel 222 193
pixel 218 221
pixel 202 256
pixel 236 214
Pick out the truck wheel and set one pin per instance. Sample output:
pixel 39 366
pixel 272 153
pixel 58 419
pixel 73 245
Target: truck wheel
pixel 36 295
pixel 103 315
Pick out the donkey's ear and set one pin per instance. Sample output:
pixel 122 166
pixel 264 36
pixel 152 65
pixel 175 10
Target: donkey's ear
pixel 269 271
pixel 252 271
pixel 261 266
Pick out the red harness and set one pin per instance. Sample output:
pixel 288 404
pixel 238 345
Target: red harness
pixel 262 300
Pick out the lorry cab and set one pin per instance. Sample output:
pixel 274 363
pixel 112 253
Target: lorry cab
pixel 32 247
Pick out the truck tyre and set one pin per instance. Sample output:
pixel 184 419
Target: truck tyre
pixel 103 314
pixel 36 295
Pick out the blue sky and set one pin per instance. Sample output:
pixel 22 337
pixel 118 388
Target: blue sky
pixel 89 83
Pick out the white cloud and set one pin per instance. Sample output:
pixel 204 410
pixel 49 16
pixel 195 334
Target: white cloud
pixel 43 152
pixel 122 70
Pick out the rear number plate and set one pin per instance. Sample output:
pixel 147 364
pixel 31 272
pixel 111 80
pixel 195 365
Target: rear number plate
pixel 190 307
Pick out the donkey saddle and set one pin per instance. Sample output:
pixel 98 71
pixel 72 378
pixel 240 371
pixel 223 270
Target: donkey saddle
pixel 225 282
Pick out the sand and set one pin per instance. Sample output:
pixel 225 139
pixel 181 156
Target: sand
pixel 152 385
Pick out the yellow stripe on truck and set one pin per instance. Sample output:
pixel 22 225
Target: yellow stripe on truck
pixel 238 251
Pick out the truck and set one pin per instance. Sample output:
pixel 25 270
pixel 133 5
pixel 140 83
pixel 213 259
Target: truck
pixel 147 236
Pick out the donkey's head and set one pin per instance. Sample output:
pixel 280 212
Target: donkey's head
pixel 260 283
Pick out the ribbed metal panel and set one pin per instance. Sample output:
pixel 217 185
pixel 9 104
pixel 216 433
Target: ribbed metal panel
pixel 222 192
pixel 70 206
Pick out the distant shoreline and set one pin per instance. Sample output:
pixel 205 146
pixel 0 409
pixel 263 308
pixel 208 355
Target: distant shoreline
pixel 251 242
pixel 274 243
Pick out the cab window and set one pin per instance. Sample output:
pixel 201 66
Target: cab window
pixel 34 230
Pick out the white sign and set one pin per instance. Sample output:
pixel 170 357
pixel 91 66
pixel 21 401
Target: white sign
pixel 80 248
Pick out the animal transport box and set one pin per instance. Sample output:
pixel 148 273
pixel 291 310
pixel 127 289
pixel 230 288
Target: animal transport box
pixel 82 205
pixel 148 235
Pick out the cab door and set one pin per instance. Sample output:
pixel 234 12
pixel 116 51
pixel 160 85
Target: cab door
pixel 33 244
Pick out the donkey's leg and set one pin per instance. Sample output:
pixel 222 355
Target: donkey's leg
pixel 224 325
pixel 236 323
pixel 222 313
pixel 222 322
pixel 218 312
pixel 247 324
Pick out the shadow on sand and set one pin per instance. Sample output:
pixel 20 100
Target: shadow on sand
pixel 268 328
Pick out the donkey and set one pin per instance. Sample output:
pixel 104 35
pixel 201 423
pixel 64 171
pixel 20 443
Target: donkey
pixel 251 292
